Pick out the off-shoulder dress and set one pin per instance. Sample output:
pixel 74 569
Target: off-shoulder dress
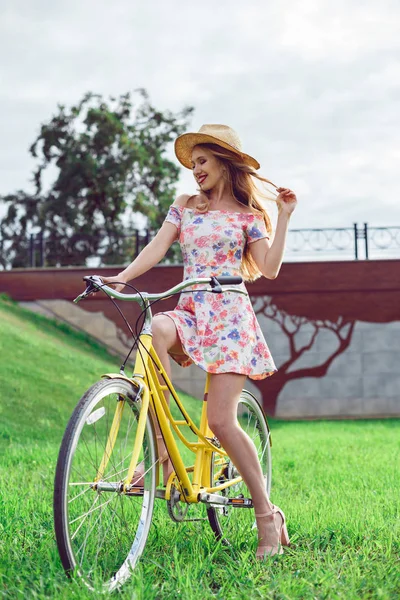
pixel 218 332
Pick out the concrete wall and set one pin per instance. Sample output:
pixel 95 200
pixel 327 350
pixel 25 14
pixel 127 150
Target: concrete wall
pixel 362 380
pixel 333 329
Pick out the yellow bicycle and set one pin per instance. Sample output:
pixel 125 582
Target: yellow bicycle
pixel 102 515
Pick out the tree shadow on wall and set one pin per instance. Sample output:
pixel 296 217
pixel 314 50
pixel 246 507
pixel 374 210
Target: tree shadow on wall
pixel 295 327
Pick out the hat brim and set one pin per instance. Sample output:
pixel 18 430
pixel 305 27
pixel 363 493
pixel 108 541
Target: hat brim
pixel 185 143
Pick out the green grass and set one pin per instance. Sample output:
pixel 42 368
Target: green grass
pixel 338 483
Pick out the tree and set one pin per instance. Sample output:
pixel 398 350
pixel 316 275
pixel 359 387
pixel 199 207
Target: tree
pixel 110 163
pixel 291 326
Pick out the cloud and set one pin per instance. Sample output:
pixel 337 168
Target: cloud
pixel 312 87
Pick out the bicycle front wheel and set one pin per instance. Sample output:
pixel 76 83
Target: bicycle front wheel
pixel 228 522
pixel 101 530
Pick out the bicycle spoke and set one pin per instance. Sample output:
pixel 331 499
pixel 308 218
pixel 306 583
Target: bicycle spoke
pixel 89 512
pixel 97 529
pixel 88 489
pixel 82 518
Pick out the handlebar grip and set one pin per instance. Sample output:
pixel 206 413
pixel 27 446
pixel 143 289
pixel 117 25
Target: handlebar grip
pixel 229 279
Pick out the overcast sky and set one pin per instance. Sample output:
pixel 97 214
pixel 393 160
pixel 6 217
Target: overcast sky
pixel 312 87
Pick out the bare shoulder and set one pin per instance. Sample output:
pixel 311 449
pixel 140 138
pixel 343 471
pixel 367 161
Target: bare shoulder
pixel 194 200
pixel 181 200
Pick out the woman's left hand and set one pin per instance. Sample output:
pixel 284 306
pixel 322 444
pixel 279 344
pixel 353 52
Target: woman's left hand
pixel 286 201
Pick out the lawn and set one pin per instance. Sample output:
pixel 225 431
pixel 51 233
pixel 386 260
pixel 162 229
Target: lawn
pixel 338 483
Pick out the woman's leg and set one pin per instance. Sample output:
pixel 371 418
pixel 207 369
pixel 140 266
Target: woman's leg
pixel 223 397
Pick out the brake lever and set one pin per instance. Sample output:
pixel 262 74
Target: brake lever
pixel 215 285
pixel 231 289
pixel 94 283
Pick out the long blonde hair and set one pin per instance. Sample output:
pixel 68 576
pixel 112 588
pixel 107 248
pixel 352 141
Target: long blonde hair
pixel 240 179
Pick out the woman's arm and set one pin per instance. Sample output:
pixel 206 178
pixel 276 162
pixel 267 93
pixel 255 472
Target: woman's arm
pixel 268 258
pixel 151 254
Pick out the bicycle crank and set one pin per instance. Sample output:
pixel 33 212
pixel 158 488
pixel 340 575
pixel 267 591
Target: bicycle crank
pixel 177 510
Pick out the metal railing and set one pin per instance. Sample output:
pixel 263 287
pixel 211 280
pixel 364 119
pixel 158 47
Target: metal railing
pixel 346 243
pixel 78 248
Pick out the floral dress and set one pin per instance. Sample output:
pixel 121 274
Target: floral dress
pixel 218 332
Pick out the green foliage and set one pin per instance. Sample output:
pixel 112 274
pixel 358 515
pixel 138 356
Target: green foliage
pixel 6 298
pixel 109 159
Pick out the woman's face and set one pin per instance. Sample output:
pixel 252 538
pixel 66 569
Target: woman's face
pixel 207 169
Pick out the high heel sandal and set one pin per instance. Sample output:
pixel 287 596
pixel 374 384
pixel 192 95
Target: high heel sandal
pixel 264 550
pixel 138 476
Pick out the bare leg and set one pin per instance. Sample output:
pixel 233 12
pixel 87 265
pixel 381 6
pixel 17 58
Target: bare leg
pixel 223 397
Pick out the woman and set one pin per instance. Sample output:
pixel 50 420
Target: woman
pixel 223 230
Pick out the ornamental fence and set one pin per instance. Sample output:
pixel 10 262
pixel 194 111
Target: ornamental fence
pixel 346 243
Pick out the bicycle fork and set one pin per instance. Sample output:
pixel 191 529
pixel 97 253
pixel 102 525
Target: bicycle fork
pixel 112 436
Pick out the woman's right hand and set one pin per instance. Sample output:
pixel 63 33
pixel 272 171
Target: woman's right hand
pixel 118 287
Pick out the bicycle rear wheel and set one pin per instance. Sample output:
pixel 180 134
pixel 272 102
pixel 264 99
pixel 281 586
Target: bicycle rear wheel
pixel 228 521
pixel 101 530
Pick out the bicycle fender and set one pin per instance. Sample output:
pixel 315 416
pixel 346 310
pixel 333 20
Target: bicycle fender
pixel 123 377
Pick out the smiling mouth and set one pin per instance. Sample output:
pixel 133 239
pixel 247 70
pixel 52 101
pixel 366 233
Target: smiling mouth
pixel 202 179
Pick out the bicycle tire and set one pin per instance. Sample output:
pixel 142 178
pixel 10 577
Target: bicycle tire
pixel 227 521
pixel 102 533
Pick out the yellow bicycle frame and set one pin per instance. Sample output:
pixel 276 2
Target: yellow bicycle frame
pixel 144 377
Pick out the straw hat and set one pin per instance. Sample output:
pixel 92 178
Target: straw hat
pixel 222 135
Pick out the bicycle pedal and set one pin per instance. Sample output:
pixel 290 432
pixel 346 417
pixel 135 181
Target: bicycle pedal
pixel 134 491
pixel 240 502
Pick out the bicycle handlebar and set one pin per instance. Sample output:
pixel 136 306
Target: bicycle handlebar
pixel 95 283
